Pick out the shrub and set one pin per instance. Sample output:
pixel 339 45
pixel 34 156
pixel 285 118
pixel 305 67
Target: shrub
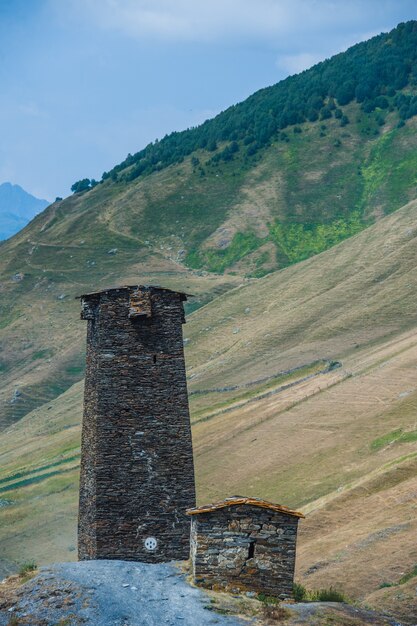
pixel 301 594
pixel 262 597
pixel 81 185
pixel 27 567
pixel 325 113
pixel 253 149
pixel 328 595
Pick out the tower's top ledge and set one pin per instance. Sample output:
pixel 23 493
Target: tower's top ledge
pixel 132 288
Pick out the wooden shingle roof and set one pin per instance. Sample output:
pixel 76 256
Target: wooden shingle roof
pixel 241 500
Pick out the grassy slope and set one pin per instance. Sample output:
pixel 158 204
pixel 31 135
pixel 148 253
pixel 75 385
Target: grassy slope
pixel 62 253
pixel 341 444
pixel 155 222
pixel 355 293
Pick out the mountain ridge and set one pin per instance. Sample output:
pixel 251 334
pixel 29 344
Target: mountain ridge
pixel 321 183
pixel 330 138
pixel 17 208
pixel 372 70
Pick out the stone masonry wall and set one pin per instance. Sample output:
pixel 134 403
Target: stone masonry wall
pixel 244 548
pixel 137 475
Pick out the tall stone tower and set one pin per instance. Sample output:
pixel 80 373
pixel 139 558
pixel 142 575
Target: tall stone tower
pixel 137 473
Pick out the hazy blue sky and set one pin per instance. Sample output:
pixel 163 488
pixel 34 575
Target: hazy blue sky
pixel 84 82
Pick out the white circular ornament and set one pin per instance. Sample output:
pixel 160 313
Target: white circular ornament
pixel 150 544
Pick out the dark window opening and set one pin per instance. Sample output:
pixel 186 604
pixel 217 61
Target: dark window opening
pixel 251 550
pixel 154 358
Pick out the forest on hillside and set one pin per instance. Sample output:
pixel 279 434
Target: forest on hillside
pixel 372 83
pixel 375 74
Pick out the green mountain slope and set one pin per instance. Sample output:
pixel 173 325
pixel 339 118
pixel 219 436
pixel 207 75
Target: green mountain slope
pixel 307 145
pixel 171 226
pixel 370 73
pixel 307 189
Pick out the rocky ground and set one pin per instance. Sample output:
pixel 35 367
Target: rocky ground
pixel 120 593
pixel 111 593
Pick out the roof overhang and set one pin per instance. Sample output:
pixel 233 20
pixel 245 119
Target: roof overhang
pixel 242 501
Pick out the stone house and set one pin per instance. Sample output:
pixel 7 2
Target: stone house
pixel 244 544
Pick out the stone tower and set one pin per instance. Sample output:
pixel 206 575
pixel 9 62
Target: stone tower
pixel 137 473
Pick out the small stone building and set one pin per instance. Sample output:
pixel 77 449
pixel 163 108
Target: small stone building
pixel 137 474
pixel 244 544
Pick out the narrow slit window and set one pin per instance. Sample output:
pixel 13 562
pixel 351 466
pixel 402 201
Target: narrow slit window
pixel 154 358
pixel 251 550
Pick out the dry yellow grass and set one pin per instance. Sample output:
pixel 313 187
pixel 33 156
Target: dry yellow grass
pixel 355 293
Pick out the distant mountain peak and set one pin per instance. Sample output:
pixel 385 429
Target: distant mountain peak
pixel 17 208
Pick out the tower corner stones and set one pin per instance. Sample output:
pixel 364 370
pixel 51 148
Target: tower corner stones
pixel 137 474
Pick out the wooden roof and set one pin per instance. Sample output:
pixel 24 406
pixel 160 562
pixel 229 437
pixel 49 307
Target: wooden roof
pixel 241 500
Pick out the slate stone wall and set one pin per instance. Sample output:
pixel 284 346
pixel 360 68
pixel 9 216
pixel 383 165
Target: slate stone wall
pixel 137 475
pixel 245 548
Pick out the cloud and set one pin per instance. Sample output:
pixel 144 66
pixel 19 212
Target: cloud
pixel 186 20
pixel 276 21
